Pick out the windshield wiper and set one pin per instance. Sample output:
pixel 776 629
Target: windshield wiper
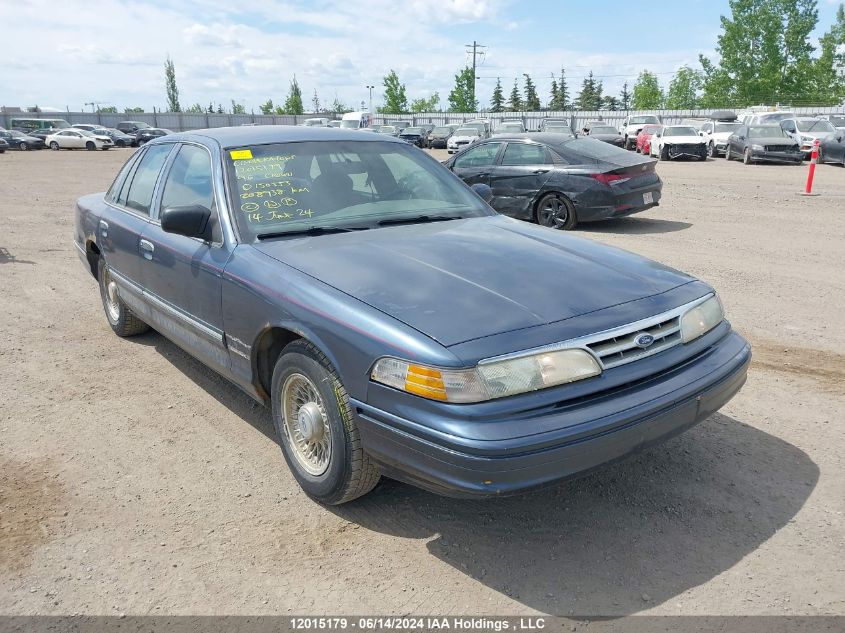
pixel 312 230
pixel 419 219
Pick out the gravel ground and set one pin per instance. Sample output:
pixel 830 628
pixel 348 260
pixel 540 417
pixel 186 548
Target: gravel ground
pixel 133 480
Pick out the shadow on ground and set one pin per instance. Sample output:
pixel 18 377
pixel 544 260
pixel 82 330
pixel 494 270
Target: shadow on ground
pixel 635 226
pixel 625 538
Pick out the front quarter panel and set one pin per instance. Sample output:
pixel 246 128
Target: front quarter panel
pixel 260 293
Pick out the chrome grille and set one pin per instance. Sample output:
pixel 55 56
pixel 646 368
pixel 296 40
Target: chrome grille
pixel 622 348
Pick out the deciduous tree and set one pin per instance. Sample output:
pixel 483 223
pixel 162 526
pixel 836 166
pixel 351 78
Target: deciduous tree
pixel 684 89
pixel 462 96
pixel 395 101
pixel 647 92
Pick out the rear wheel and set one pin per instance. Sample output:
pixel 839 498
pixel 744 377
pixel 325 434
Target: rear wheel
pixel 122 320
pixel 556 211
pixel 54 146
pixel 317 431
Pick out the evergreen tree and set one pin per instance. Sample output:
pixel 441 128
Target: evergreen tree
pixel 293 103
pixel 515 101
pixel 610 103
pixel 563 92
pixel 590 97
pixel 625 98
pixel 338 106
pixel 555 96
pixel 171 87
pixel 532 100
pixel 497 102
pixel 238 108
pixel 462 96
pixel 315 102
pixel 210 108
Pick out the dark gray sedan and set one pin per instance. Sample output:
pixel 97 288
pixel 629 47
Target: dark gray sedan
pixel 763 144
pixel 392 320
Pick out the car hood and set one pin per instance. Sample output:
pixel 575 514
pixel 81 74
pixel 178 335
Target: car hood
pixel 773 140
pixel 462 138
pixel 460 280
pixel 607 137
pixel 682 139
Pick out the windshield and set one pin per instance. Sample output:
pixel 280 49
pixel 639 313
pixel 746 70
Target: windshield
pixel 387 129
pixel 558 127
pixel 817 126
pixel 412 130
pixel 57 123
pixel 511 127
pixel 466 131
pixel 838 121
pixel 16 134
pixel 477 126
pixel 766 131
pixel 643 119
pixel 314 123
pixel 650 129
pixel 442 130
pixel 726 127
pixel 603 129
pixel 679 130
pixel 353 124
pixel 774 117
pixel 288 187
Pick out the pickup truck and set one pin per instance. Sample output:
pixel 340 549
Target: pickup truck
pixel 632 125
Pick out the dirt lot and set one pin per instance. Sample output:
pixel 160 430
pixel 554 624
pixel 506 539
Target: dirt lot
pixel 133 480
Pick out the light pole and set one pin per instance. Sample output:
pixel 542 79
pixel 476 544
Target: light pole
pixel 370 88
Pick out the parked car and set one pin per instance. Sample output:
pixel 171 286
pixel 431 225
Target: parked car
pixel 558 181
pixel 585 129
pixel 632 125
pixel 3 144
pixel 356 120
pixel 132 127
pixel 644 138
pixel 763 143
pixel 439 136
pixel 390 130
pixel 483 126
pixel 556 126
pixel 381 326
pixel 415 136
pixel 832 149
pixel 118 138
pixel 764 118
pixel 836 120
pixel 86 126
pixel 316 122
pixel 807 130
pixel 677 141
pixel 462 137
pixel 21 141
pixel 333 124
pixel 716 134
pixel 399 125
pixel 510 127
pixel 41 133
pixel 606 134
pixel 72 138
pixel 149 133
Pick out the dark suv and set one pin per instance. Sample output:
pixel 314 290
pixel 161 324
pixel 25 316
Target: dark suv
pixel 131 127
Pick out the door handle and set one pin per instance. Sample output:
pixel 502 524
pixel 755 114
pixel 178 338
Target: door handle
pixel 541 171
pixel 104 228
pixel 147 249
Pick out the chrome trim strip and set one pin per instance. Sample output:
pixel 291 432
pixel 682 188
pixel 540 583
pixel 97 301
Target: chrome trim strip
pixel 583 341
pixel 78 247
pixel 212 334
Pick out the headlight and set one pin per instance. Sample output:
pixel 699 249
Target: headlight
pixel 701 319
pixel 757 148
pixel 490 379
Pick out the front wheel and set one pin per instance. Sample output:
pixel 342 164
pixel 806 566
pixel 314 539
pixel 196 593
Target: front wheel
pixel 317 431
pixel 54 146
pixel 557 212
pixel 728 155
pixel 664 153
pixel 711 150
pixel 122 320
pixel 746 156
pixel 90 146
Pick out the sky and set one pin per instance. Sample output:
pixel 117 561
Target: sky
pixel 66 53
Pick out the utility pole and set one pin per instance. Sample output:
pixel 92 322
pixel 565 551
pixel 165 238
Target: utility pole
pixel 370 88
pixel 474 49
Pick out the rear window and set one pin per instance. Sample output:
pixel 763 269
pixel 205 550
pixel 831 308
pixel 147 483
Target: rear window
pixel 578 149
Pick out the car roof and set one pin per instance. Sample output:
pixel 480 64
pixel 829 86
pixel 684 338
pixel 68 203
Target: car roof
pixel 550 138
pixel 262 134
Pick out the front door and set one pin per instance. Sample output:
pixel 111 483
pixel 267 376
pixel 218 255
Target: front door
pixel 520 175
pixel 475 165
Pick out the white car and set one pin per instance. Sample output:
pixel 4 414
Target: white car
pixel 510 127
pixel 462 137
pixel 807 130
pixel 316 122
pixel 632 126
pixel 716 134
pixel 71 138
pixel 675 141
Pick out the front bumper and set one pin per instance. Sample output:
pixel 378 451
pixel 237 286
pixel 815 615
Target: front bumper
pixel 610 426
pixel 777 157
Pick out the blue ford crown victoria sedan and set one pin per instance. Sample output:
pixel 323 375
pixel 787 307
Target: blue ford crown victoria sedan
pixel 395 323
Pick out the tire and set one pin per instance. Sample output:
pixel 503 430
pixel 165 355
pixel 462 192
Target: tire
pixel 54 146
pixel 728 155
pixel 746 156
pixel 121 144
pixel 664 153
pixel 23 146
pixel 90 146
pixel 820 159
pixel 549 210
pixel 627 143
pixel 338 470
pixel 711 150
pixel 122 320
pixel 106 148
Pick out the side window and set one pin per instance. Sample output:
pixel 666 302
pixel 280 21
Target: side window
pixel 524 154
pixel 114 190
pixel 140 194
pixel 481 156
pixel 189 179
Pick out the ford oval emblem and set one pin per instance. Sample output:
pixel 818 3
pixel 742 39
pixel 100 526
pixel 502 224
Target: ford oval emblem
pixel 644 340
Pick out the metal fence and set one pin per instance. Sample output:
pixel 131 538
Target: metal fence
pixel 179 122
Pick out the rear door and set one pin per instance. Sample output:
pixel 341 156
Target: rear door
pixel 182 275
pixel 522 171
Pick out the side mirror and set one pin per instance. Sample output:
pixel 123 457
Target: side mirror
pixel 484 191
pixel 191 221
